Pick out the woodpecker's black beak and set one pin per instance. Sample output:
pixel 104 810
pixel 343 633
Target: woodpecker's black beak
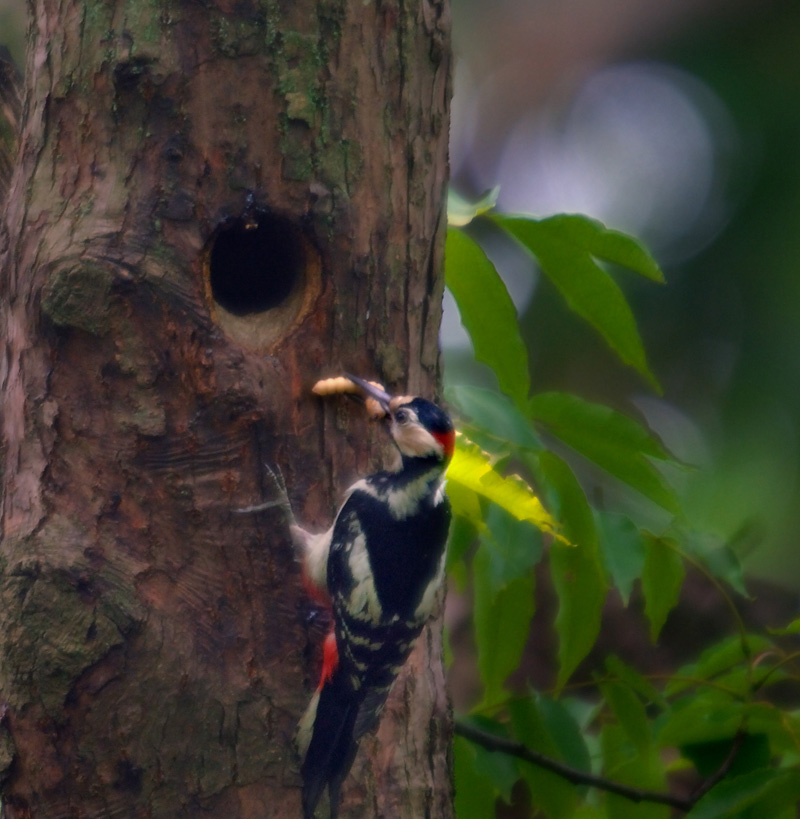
pixel 381 396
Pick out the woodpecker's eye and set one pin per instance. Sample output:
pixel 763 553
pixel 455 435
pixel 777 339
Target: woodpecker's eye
pixel 401 416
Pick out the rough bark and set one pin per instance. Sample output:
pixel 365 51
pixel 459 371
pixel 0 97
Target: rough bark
pixel 215 204
pixel 9 119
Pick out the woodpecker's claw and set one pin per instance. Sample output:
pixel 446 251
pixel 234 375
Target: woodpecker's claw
pixel 258 507
pixel 282 501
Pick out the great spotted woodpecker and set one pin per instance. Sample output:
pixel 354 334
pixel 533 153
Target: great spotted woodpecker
pixel 381 565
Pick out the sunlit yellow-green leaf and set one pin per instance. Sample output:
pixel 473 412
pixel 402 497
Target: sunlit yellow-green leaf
pixel 471 468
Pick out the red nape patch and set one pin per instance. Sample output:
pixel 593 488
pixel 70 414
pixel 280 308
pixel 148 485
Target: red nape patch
pixel 447 440
pixel 330 659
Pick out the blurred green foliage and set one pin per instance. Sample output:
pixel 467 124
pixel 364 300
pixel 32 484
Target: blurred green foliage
pixel 12 29
pixel 744 289
pixel 714 716
pixel 724 336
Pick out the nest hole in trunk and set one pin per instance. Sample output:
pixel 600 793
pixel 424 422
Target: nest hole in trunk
pixel 262 274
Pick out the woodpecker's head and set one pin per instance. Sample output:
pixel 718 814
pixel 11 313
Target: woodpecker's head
pixel 419 428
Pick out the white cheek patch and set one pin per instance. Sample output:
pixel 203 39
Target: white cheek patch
pixel 415 441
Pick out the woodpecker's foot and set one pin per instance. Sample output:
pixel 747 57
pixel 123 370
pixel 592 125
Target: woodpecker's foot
pixel 279 484
pixel 282 501
pixel 259 507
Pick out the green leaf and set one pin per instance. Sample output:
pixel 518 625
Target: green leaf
pixel 718 557
pixel 577 571
pixel 461 211
pixel 567 248
pixel 635 681
pixel 780 725
pixel 467 523
pixel 723 656
pixel 462 538
pixel 662 579
pixel 514 547
pixel 707 716
pixel 472 469
pixel 502 622
pixel 566 732
pixel 730 652
pixel 792 628
pixel 581 421
pixel 712 715
pixel 622 546
pixel 466 504
pixel 586 810
pixel 610 439
pixel 488 314
pixel 630 714
pixel 763 791
pixel 624 762
pixel 708 757
pixel 553 794
pixel 613 246
pixel 499 767
pixel 475 792
pixel 495 414
pixel 782 792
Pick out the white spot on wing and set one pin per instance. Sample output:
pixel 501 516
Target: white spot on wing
pixel 306 726
pixel 425 607
pixel 315 548
pixel 404 501
pixel 363 601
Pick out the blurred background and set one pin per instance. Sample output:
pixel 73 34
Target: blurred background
pixel 678 122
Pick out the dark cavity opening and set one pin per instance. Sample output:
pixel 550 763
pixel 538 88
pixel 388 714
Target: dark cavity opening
pixel 255 263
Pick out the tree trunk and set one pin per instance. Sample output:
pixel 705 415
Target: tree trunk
pixel 9 120
pixel 215 205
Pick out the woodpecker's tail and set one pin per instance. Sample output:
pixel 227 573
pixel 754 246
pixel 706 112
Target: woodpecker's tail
pixel 339 714
pixel 332 746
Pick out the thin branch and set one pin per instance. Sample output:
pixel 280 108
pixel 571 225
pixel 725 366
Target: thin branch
pixel 717 777
pixel 718 585
pixel 577 777
pixel 789 658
